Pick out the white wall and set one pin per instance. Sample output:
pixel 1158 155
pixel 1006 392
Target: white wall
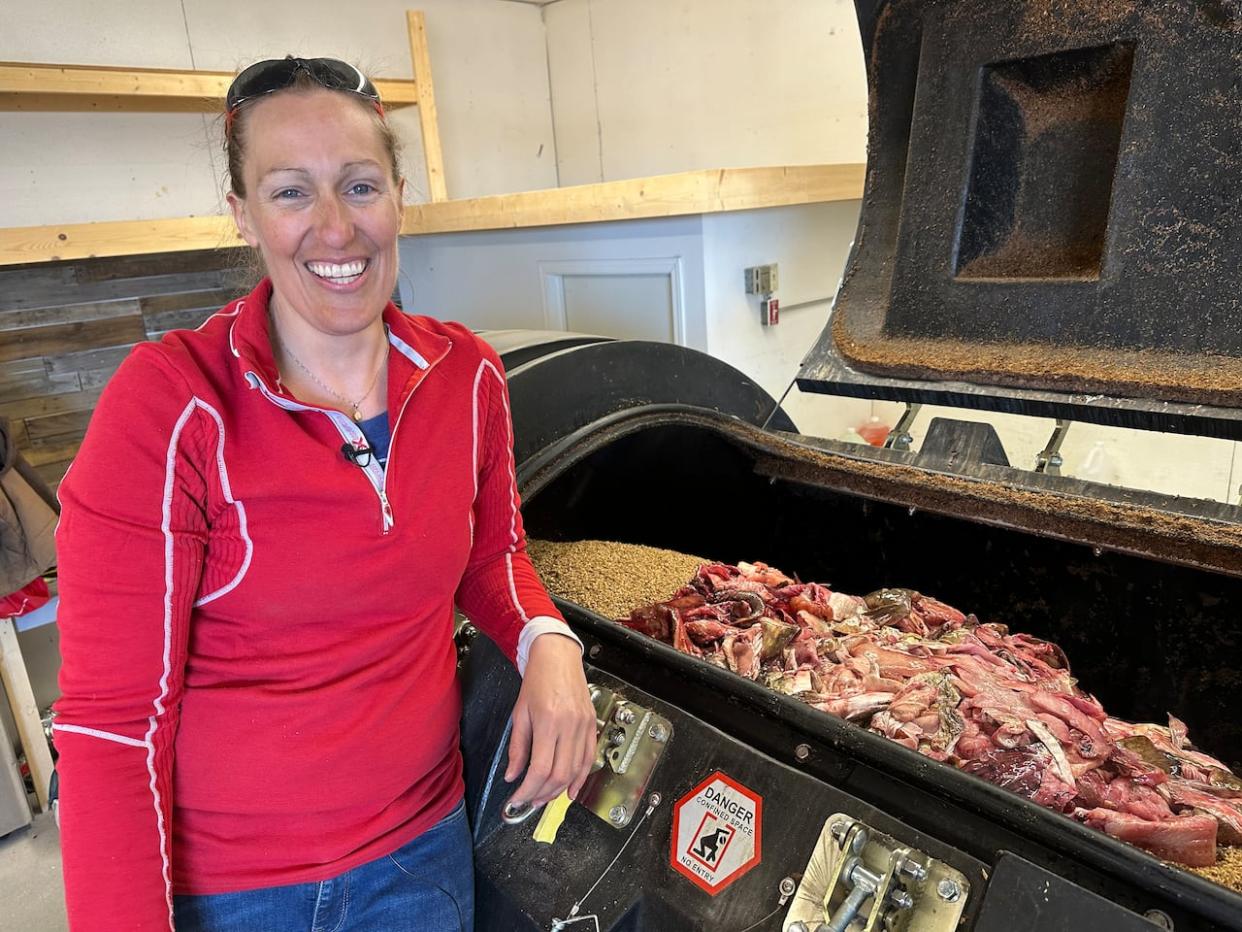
pixel 809 243
pixel 646 87
pixel 488 62
pixel 492 280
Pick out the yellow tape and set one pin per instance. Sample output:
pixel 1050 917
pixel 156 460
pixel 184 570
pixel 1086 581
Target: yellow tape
pixel 553 816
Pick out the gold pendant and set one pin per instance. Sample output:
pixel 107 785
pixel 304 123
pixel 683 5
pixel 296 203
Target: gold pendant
pixel 357 415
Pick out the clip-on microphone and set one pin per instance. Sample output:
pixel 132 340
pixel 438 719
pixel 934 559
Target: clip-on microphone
pixel 359 456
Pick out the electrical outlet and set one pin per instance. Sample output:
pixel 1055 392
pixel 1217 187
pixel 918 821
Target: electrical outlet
pixel 770 311
pixel 762 279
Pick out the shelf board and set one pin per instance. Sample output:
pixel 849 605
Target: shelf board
pixel 695 192
pixel 32 87
pixel 19 245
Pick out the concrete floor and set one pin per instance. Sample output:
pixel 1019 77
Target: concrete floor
pixel 31 893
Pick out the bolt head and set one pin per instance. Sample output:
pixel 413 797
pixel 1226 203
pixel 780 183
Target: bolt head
pixel 802 751
pixel 625 715
pixel 1159 917
pixel 787 886
pixel 914 870
pixel 839 828
pixel 948 890
pixel 902 900
pixel 618 814
pixel 593 652
pixel 657 732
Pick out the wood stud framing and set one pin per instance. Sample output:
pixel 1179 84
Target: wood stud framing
pixel 427 116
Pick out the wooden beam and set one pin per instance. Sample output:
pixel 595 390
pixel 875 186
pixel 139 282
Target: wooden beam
pixel 25 711
pixel 695 192
pixel 30 86
pixel 437 189
pixel 114 238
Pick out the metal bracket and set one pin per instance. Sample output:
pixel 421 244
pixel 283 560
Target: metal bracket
pixel 632 740
pixel 860 878
pixel 900 438
pixel 1049 459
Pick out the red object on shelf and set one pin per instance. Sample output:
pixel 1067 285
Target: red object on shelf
pixel 33 595
pixel 874 432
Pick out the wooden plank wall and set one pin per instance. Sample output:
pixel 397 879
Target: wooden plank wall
pixel 66 326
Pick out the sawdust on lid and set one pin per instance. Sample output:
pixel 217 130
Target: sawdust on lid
pixel 1211 378
pixel 1126 527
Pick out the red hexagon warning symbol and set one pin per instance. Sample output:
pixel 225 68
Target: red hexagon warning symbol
pixel 717 832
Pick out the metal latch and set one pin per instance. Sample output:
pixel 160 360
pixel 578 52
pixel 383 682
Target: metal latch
pixel 1049 459
pixel 900 438
pixel 631 741
pixel 861 879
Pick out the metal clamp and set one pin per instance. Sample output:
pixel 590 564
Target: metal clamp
pixel 859 878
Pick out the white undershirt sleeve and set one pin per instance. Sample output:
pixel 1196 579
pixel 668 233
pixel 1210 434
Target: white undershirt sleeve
pixel 539 625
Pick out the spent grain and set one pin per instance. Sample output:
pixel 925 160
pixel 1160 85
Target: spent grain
pixel 611 578
pixel 1227 871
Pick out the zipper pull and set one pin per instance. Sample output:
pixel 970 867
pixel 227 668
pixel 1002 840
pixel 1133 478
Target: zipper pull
pixel 387 509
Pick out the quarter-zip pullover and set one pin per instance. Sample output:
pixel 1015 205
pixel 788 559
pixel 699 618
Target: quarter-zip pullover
pixel 258 680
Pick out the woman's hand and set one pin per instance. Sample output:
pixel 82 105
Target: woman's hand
pixel 553 723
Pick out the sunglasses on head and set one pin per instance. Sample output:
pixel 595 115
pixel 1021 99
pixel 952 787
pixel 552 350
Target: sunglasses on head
pixel 276 74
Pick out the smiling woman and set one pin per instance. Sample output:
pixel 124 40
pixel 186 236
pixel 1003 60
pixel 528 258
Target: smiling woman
pixel 324 211
pixel 326 227
pixel 262 542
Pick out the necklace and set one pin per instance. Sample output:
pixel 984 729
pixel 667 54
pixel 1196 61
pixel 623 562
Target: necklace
pixel 354 406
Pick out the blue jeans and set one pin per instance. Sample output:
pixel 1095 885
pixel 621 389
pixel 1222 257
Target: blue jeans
pixel 425 886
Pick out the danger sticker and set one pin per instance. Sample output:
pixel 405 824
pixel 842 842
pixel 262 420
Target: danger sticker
pixel 716 832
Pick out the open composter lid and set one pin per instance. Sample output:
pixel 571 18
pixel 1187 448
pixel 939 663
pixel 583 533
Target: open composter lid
pixel 1051 219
